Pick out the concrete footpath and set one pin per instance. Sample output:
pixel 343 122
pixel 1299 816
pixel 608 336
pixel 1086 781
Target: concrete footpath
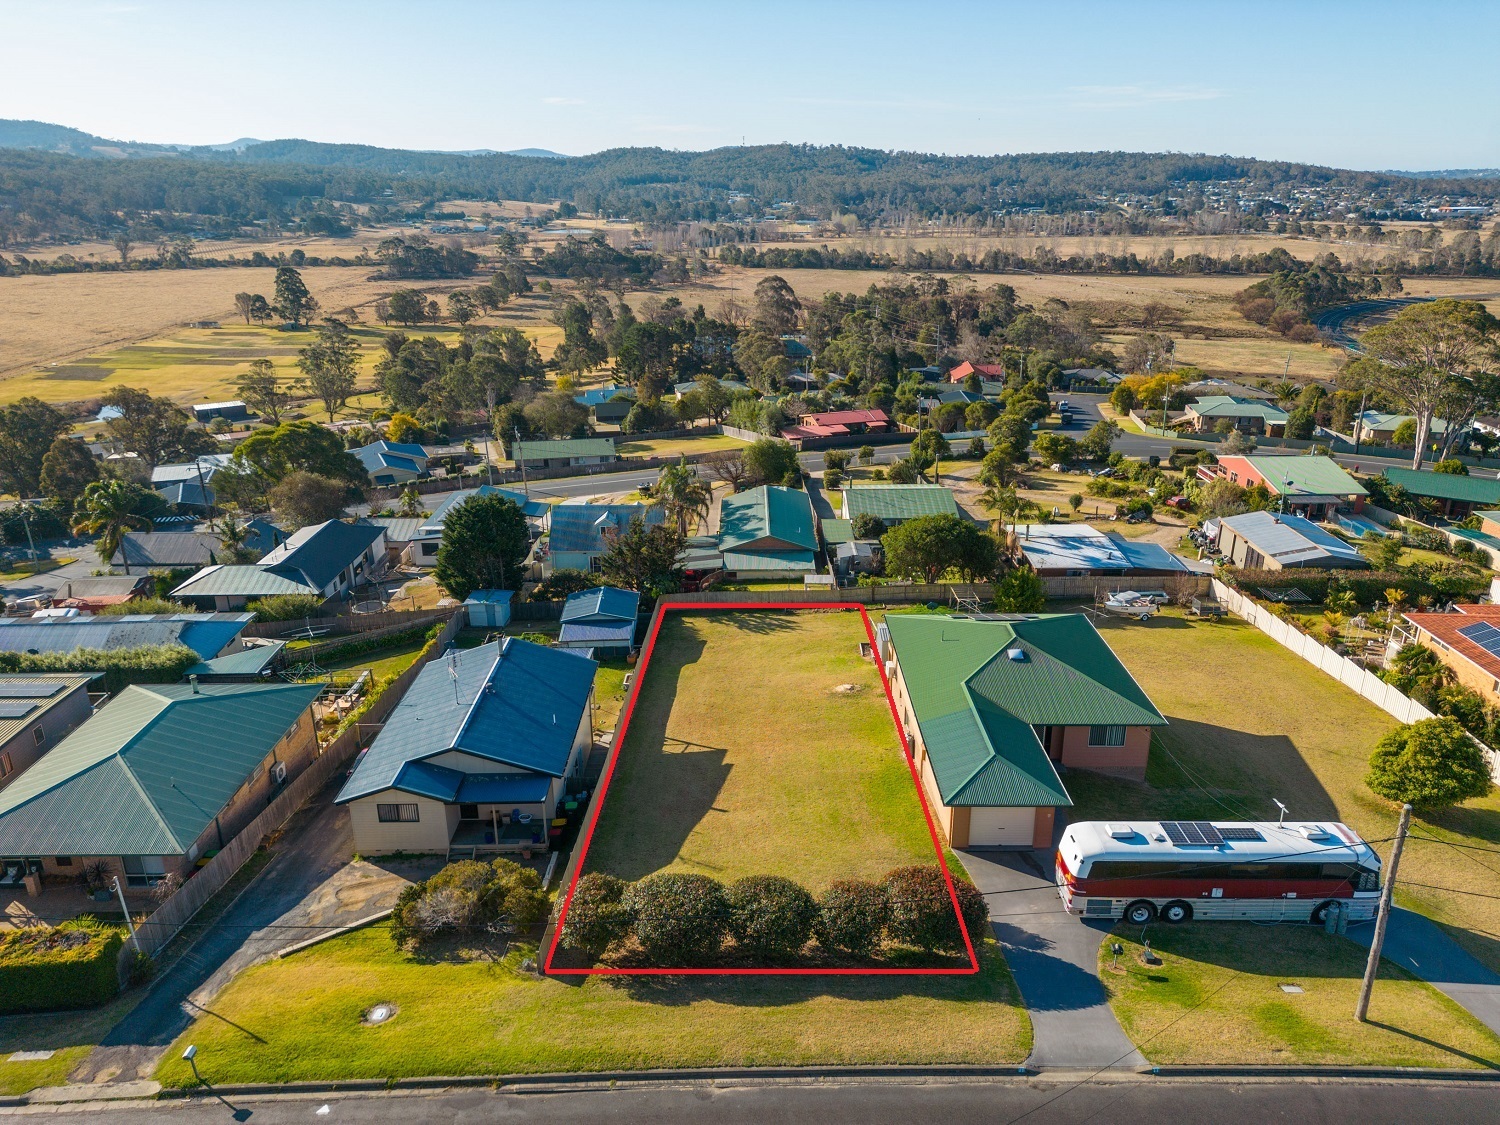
pixel 1055 960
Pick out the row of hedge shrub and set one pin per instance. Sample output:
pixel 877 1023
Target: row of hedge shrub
pixel 44 968
pixel 147 664
pixel 1368 586
pixel 686 919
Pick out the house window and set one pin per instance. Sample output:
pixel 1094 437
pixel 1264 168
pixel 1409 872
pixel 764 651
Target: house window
pixel 63 860
pixel 5 766
pixel 143 870
pixel 1107 736
pixel 468 812
pixel 39 734
pixel 397 814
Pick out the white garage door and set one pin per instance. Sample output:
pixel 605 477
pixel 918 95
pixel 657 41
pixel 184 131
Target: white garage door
pixel 991 828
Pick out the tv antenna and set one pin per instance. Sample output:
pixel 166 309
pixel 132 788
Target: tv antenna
pixel 1281 820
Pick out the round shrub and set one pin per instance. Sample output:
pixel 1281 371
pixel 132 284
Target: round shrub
pixel 679 919
pixel 514 894
pixel 770 916
pixel 921 911
pixel 596 917
pixel 1431 764
pixel 851 916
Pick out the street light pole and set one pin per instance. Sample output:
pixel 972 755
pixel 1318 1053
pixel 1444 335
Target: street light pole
pixel 1382 918
pixel 119 890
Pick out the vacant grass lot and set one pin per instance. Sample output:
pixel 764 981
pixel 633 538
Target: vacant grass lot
pixel 672 447
pixel 299 1018
pixel 1217 998
pixel 1250 721
pixel 744 757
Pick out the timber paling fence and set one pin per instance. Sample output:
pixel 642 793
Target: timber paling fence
pixel 168 919
pixel 1361 680
pixel 346 624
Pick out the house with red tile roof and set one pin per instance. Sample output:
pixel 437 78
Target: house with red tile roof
pixel 983 370
pixel 838 423
pixel 1468 642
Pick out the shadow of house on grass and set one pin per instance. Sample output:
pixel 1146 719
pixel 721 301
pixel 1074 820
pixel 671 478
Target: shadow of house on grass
pixel 765 621
pixel 1200 771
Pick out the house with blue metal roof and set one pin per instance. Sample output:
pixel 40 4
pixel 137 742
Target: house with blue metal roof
pixel 477 754
pixel 156 778
pixel 992 705
pixel 601 621
pixel 392 462
pixel 429 532
pixel 207 634
pixel 579 535
pixel 609 403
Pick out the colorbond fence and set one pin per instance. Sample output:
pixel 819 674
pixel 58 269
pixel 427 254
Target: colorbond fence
pixel 168 919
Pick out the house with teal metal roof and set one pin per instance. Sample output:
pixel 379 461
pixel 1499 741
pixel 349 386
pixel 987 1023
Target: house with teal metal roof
pixel 993 706
pixel 768 532
pixel 156 778
pixel 580 535
pixel 1458 494
pixel 477 755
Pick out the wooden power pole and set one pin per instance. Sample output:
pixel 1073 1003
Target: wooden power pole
pixel 1382 917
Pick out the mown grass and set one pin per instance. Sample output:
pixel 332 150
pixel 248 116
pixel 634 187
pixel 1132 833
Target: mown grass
pixel 671 447
pixel 1217 999
pixel 299 1018
pixel 1249 722
pixel 744 758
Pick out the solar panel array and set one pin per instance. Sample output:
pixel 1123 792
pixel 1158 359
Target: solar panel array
pixel 1231 833
pixel 1192 832
pixel 29 689
pixel 15 709
pixel 1485 635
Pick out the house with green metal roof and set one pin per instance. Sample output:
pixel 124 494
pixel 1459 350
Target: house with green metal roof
pixel 1314 487
pixel 768 532
pixel 1249 415
pixel 562 453
pixel 156 778
pixel 895 503
pixel 1458 495
pixel 477 755
pixel 992 706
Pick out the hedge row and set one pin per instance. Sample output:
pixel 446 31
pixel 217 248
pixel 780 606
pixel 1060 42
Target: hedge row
pixel 684 919
pixel 45 968
pixel 1367 586
pixel 148 664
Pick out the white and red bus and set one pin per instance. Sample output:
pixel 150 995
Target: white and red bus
pixel 1180 870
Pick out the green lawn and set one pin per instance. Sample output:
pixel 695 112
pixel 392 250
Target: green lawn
pixel 745 758
pixel 671 447
pixel 299 1019
pixel 1250 722
pixel 385 664
pixel 609 692
pixel 1217 998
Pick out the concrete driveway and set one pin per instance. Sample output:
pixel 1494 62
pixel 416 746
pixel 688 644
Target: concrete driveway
pixel 1422 948
pixel 1054 958
pixel 310 887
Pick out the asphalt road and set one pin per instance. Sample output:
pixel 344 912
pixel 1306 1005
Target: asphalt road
pixel 1338 322
pixel 899 1102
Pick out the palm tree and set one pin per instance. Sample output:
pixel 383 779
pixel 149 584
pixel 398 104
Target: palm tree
pixel 683 493
pixel 109 511
pixel 1285 392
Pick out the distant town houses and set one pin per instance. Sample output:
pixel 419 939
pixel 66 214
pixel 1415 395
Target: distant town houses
pixel 327 560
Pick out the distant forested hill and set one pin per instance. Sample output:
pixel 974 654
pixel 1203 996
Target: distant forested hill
pixel 57 182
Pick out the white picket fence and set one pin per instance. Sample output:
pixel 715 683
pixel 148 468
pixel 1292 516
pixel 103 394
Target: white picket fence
pixel 1341 668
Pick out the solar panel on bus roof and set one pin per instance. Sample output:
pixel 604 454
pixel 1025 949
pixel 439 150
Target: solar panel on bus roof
pixel 1192 832
pixel 29 689
pixel 13 709
pixel 1483 634
pixel 1229 833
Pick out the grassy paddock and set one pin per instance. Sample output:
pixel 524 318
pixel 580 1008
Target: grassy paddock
pixel 1250 721
pixel 671 447
pixel 299 1019
pixel 1217 999
pixel 744 758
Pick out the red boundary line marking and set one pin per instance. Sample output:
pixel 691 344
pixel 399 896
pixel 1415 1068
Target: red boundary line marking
pixel 623 729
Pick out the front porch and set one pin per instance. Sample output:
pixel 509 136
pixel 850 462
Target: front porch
pixel 502 836
pixel 62 902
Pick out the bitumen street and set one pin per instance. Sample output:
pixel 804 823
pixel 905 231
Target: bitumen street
pixel 1084 1097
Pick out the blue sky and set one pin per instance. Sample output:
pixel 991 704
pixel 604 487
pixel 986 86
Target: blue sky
pixel 1371 85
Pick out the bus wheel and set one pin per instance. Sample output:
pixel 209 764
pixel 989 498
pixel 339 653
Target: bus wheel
pixel 1320 912
pixel 1140 913
pixel 1175 912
